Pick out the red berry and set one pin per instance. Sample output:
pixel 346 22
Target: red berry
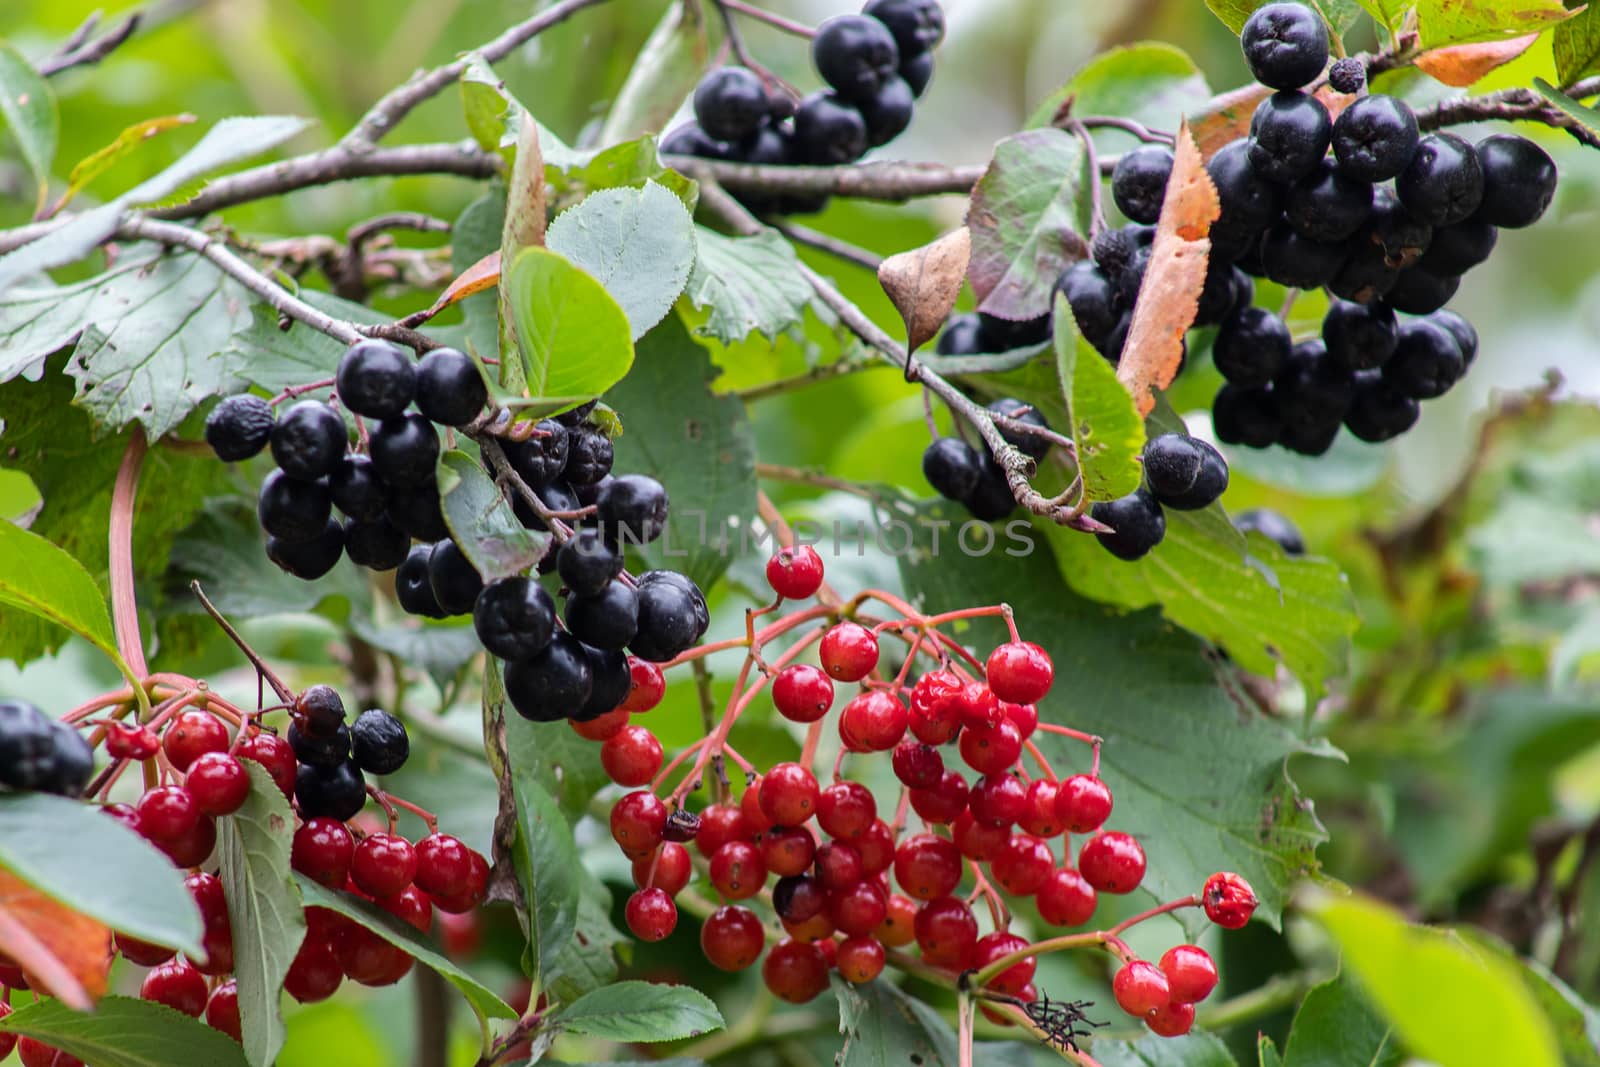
pixel 218 783
pixel 651 915
pixel 637 822
pixel 178 986
pixel 124 814
pixel 632 757
pixel 946 932
pixel 787 850
pixel 646 685
pixel 917 764
pixel 1025 717
pixel 1228 900
pixel 1112 862
pixel 732 938
pixel 7 1041
pixel 1191 974
pixel 995 946
pixel 142 953
pixel 322 851
pixel 795 573
pixel 846 809
pixel 1023 865
pixel 444 864
pixel 979 707
pixel 1174 1020
pixel 876 848
pixel 222 1009
pixel 802 693
pixel 672 866
pixel 898 928
pixel 875 721
pixel 976 840
pixel 927 867
pixel 795 971
pixel 998 800
pixel 789 794
pixel 756 820
pixel 1039 816
pixel 859 959
pixel 1066 899
pixel 839 866
pixel 738 871
pixel 191 735
pixel 799 897
pixel 411 906
pixel 936 707
pixel 944 803
pixel 858 910
pixel 130 741
pixel 817 928
pixel 471 891
pixel 848 652
pixel 35 1053
pixel 996 1015
pixel 314 974
pixel 383 864
pixel 167 813
pixel 12 977
pixel 721 823
pixel 367 958
pixel 1019 672
pixel 273 753
pixel 206 889
pixel 602 727
pixel 991 749
pixel 192 848
pixel 1083 803
pixel 1140 988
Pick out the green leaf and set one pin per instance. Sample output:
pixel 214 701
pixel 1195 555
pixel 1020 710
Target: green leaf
pixel 697 444
pixel 638 243
pixel 493 115
pixel 641 1012
pixel 1340 15
pixel 41 579
pixel 123 145
pixel 1389 13
pixel 1449 1002
pixel 1106 426
pixel 1190 1050
pixel 631 163
pixel 482 522
pixel 146 898
pixel 668 65
pixel 1026 219
pixel 1443 22
pixel 272 358
pixel 575 339
pixel 589 959
pixel 1576 44
pixel 439 649
pixel 884 1027
pixel 547 869
pixel 1148 690
pixel 484 1003
pixel 125 1032
pixel 1336 1025
pixel 1267 1052
pixel 28 107
pixel 1576 1024
pixel 476 234
pixel 564 764
pixel 751 284
pixel 264 910
pixel 1587 117
pixel 1156 84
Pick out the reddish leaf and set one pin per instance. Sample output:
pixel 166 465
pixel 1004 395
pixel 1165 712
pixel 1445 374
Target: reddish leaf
pixel 1464 64
pixel 478 278
pixel 1170 296
pixel 67 953
pixel 924 283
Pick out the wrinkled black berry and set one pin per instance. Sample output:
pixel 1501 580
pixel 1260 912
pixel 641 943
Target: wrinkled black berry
pixel 239 427
pixel 1375 137
pixel 1139 182
pixel 589 457
pixel 379 742
pixel 1286 45
pixel 1359 336
pixel 1251 347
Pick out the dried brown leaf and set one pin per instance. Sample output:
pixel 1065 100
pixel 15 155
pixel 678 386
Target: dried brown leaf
pixel 1170 296
pixel 1464 64
pixel 68 954
pixel 923 283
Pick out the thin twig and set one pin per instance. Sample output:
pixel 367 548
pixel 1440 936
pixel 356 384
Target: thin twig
pixel 278 685
pixel 80 51
pixel 814 478
pixel 820 373
pixel 775 21
pixel 822 242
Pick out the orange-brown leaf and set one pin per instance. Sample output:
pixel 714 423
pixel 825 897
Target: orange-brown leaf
pixel 478 278
pixel 1170 296
pixel 1462 65
pixel 924 283
pixel 67 953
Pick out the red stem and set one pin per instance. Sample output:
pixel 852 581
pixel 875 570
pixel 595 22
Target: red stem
pixel 124 603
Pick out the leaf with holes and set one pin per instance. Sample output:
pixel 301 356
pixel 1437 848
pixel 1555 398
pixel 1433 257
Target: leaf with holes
pixel 923 284
pixel 125 1032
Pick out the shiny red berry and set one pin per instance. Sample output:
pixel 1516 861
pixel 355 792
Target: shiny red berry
pixel 936 707
pixel 898 928
pixel 817 928
pixel 732 938
pixel 651 915
pixel 672 866
pixel 367 958
pixel 795 971
pixel 1066 898
pixel 721 823
pixel 322 851
pixel 788 850
pixel 314 973
pixel 1039 817
pixel 859 959
pixel 875 721
pixel 1191 973
pixel 802 693
pixel 917 764
pixel 927 866
pixel 601 727
pixel 632 757
pixel 1112 862
pixel 637 822
pixel 222 1010
pixel 795 573
pixel 411 906
pixel 191 735
pixel 1228 900
pixel 1023 865
pixel 142 953
pixel 383 864
pixel 944 803
pixel 1083 803
pixel 1019 672
pixel 177 985
pixel 756 820
pixel 846 809
pixel 839 866
pixel 167 813
pixel 789 794
pixel 191 849
pixel 1174 1020
pixel 858 910
pixel 35 1053
pixel 7 1041
pixel 848 652
pixel 218 783
pixel 979 707
pixel 976 840
pixel 996 946
pixel 991 749
pixel 471 892
pixel 946 932
pixel 1025 717
pixel 130 741
pixel 738 871
pixel 1140 988
pixel 646 686
pixel 273 753
pixel 876 848
pixel 998 800
pixel 798 898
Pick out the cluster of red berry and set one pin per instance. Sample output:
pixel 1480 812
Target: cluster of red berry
pixel 835 859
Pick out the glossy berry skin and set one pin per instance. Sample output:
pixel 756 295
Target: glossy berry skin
pixel 732 938
pixel 646 686
pixel 1019 672
pixel 222 1010
pixel 730 103
pixel 721 823
pixel 404 450
pixel 555 684
pixel 1252 347
pixel 1459 248
pixel 444 865
pixel 978 840
pixel 1139 182
pixel 470 891
pixel 787 850
pixel 998 800
pixel 167 813
pixel 632 509
pixel 828 131
pixel 802 693
pixel 514 618
pixel 856 55
pixel 309 560
pixel 1191 973
pixel 322 851
pixel 192 848
pixel 338 791
pixel 1083 803
pixel 218 783
pixel 799 898
pixel 888 114
pixel 1285 44
pixel 917 25
pixel 795 573
pixel 637 823
pixel 1112 862
pixel 1066 898
pixel 795 971
pixel 1461 330
pixel 1443 183
pixel 1294 261
pixel 1137 523
pixel 1184 472
pixel 1228 900
pixel 1023 865
pixel 1419 291
pixel 1519 180
pixel 952 467
pixel 376 379
pixel 453 579
pixel 607 619
pixel 1426 361
pixel 317 750
pixel 946 932
pixel 355 488
pixel 936 707
pixel 672 867
pixel 367 958
pixel 672 616
pixel 1248 199
pixel 292 510
pixel 897 929
pixel 1289 135
pixel 1038 817
pixel 1327 205
pixel 239 427
pixel 651 915
pixel 382 865
pixel 1140 988
pixel 378 545
pixel 917 765
pixel 848 652
pixel 1375 137
pixel 1174 1020
pixel 177 985
pixel 838 866
pixel 124 741
pixel 631 757
pixel 587 563
pixel 944 803
pixel 1359 336
pixel 379 742
pixel 191 735
pixel 417 511
pixel 789 794
pixel 995 946
pixel 309 440
pixel 846 809
pixel 35 1053
pixel 856 911
pixel 875 721
pixel 860 959
pixel 314 974
pixel 1378 410
pixel 450 389
pixel 927 866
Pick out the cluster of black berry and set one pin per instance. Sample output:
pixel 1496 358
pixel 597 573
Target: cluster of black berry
pixel 958 471
pixel 40 754
pixel 877 64
pixel 1180 472
pixel 332 756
